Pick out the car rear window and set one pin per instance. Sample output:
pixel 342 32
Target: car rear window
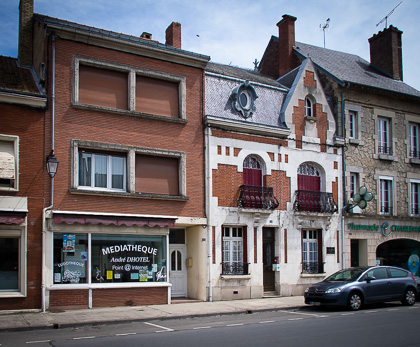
pixel 397 273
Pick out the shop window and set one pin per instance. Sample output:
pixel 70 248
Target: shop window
pixel 103 87
pixel 312 251
pixel 415 198
pixel 384 136
pixel 157 175
pixel 70 258
pixel 113 258
pixel 102 171
pixel 157 97
pixel 233 257
pixel 414 141
pixel 386 195
pixel 128 258
pixel 9 162
pixel 9 264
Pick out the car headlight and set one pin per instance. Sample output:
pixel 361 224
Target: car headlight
pixel 333 290
pixel 307 290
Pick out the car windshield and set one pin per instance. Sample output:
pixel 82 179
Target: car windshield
pixel 346 275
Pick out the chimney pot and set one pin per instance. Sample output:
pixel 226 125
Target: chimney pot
pixel 173 35
pixel 286 42
pixel 26 30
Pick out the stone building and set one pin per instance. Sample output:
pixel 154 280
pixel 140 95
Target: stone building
pixel 377 117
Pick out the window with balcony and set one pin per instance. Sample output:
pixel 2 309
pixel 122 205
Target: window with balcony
pixel 384 136
pixel 386 195
pixel 234 260
pixel 9 168
pixel 415 198
pixel 308 196
pixel 312 251
pixel 252 193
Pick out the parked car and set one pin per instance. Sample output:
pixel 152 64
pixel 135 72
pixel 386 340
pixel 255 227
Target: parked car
pixel 357 286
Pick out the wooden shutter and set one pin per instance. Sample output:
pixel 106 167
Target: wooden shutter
pixel 252 177
pixel 309 183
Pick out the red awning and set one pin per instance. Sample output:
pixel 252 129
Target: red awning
pixel 115 220
pixel 12 217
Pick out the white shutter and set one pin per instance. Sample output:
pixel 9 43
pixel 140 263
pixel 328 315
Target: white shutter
pixel 7 160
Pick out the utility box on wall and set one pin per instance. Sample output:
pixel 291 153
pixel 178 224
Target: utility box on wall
pixel 276 267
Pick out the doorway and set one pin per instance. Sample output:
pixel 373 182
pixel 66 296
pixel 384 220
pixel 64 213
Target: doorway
pixel 177 265
pixel 268 260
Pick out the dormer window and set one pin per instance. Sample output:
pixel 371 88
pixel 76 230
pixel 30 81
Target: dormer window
pixel 243 99
pixel 308 108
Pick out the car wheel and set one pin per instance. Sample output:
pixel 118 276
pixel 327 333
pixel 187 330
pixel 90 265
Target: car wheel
pixel 409 297
pixel 355 301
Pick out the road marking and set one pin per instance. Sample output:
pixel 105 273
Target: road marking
pixel 84 337
pixel 40 341
pixel 370 312
pixel 234 325
pixel 393 309
pixel 267 321
pixel 126 334
pixel 299 318
pixel 197 328
pixel 305 314
pixel 347 314
pixel 159 326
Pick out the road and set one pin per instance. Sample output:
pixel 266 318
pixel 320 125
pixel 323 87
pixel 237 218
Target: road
pixel 381 325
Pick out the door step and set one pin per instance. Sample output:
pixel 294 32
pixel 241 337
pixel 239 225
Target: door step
pixel 183 300
pixel 271 294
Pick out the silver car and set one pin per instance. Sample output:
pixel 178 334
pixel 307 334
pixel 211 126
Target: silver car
pixel 357 286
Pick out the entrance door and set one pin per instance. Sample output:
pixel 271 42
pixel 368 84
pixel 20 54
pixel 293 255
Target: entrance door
pixel 177 270
pixel 268 260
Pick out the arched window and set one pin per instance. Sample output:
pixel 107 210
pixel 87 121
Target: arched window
pixel 308 107
pixel 309 178
pixel 252 171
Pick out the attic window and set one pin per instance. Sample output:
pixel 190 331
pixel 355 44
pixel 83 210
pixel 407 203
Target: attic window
pixel 243 99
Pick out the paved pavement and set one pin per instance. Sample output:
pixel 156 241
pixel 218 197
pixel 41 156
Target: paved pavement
pixel 28 320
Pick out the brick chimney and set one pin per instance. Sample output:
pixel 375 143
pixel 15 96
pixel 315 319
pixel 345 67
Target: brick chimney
pixel 386 51
pixel 26 30
pixel 173 35
pixel 286 42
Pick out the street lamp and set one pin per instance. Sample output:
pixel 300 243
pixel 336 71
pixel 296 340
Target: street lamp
pixel 52 164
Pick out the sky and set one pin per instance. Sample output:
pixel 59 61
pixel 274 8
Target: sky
pixel 237 32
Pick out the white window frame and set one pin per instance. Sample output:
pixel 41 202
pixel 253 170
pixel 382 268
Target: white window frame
pixel 309 108
pixel 233 246
pixel 14 141
pixel 414 198
pixel 414 141
pixel 384 136
pixel 7 231
pixel 310 246
pixel 109 168
pixel 354 183
pixel 353 125
pixel 386 195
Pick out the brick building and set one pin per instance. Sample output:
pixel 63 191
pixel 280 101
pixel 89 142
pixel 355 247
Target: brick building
pixel 274 172
pixel 126 207
pixel 377 116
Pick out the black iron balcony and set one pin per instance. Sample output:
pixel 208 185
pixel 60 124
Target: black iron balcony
pixel 308 201
pixel 257 197
pixel 384 150
pixel 312 267
pixel 386 209
pixel 415 154
pixel 233 268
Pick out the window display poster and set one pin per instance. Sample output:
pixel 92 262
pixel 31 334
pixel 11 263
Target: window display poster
pixel 69 242
pixel 109 275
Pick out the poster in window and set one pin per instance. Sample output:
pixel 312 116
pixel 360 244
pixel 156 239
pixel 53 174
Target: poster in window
pixel 69 242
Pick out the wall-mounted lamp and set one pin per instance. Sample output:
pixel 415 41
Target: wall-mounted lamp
pixel 52 164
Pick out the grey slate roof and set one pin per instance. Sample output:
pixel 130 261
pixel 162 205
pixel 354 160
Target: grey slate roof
pixel 351 68
pixel 240 73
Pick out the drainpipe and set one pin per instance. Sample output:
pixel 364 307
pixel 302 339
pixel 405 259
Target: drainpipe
pixel 343 129
pixel 44 226
pixel 208 197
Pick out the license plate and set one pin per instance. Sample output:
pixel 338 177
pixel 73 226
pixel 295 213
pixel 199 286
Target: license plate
pixel 315 303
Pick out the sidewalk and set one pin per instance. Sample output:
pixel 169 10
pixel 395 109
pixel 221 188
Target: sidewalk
pixel 28 320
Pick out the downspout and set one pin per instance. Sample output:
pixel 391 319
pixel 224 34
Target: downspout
pixel 44 227
pixel 208 212
pixel 343 129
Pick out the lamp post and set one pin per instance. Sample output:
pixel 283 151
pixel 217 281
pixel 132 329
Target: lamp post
pixel 52 164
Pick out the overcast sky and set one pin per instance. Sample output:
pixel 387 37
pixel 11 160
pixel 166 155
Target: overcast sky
pixel 237 31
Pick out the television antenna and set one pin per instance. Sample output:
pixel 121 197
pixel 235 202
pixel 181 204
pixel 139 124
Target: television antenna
pixel 387 16
pixel 325 27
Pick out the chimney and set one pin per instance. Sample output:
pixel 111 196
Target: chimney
pixel 386 52
pixel 26 29
pixel 286 42
pixel 173 35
